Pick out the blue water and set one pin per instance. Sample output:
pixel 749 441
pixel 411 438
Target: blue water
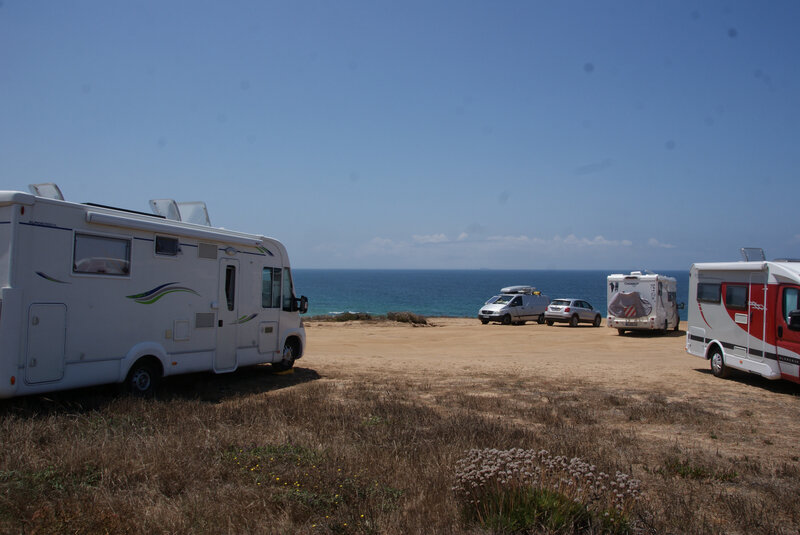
pixel 455 293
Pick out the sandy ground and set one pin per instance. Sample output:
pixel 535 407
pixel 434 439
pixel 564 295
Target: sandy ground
pixel 458 350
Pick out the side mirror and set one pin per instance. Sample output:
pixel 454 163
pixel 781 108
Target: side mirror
pixel 794 320
pixel 301 305
pixel 681 306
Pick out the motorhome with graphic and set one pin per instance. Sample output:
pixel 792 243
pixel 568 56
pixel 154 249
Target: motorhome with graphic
pixel 642 301
pixel 91 294
pixel 746 315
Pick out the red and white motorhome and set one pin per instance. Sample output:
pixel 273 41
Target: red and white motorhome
pixel 746 315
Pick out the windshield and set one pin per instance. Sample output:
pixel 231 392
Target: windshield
pixel 492 300
pixel 503 299
pixel 560 302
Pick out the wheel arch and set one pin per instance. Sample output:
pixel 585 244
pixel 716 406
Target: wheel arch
pixel 297 342
pixel 148 351
pixel 712 346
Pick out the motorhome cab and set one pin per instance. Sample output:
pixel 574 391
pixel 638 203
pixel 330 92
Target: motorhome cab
pixel 94 295
pixel 515 305
pixel 642 301
pixel 746 315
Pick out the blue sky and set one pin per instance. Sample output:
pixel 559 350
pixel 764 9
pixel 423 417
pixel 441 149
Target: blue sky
pixel 422 134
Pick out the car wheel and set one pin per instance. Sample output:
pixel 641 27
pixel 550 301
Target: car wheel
pixel 484 321
pixel 540 319
pixel 507 319
pixel 549 323
pixel 718 367
pixel 573 321
pixel 597 321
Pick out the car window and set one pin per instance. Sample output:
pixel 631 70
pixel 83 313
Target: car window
pixel 560 302
pixel 517 301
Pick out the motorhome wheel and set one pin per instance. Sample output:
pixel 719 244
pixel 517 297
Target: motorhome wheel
pixel 142 379
pixel 718 367
pixel 287 360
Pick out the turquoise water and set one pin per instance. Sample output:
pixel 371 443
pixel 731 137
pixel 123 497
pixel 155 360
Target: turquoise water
pixel 456 293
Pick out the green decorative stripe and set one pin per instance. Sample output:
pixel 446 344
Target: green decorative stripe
pixel 245 318
pixel 45 276
pixel 151 296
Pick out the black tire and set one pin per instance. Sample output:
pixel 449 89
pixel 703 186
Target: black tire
pixel 484 321
pixel 717 362
pixel 540 319
pixel 621 331
pixel 597 321
pixel 549 323
pixel 507 319
pixel 142 379
pixel 573 321
pixel 677 325
pixel 287 358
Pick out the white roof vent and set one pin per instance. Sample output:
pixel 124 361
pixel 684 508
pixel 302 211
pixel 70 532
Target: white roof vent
pixel 167 208
pixel 47 189
pixel 194 212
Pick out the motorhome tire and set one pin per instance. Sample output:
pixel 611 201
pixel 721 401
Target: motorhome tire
pixel 677 325
pixel 507 319
pixel 142 379
pixel 573 321
pixel 287 360
pixel 540 319
pixel 597 321
pixel 718 367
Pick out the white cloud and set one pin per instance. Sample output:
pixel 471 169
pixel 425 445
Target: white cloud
pixel 463 236
pixel 598 241
pixel 430 238
pixel 652 242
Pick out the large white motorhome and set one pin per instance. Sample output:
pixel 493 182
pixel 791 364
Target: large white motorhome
pixel 746 315
pixel 642 301
pixel 93 295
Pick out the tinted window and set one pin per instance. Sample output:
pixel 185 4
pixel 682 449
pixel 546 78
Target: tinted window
pixel 287 290
pixel 708 293
pixel 166 246
pixel 230 286
pixel 101 255
pixel 736 296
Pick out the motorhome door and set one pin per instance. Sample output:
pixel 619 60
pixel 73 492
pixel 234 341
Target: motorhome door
pixel 227 328
pixel 788 341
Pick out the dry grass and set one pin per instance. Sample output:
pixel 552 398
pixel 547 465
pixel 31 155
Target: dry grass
pixel 253 452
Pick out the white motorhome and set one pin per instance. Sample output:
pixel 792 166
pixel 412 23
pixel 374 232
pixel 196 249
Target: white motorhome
pixel 515 305
pixel 746 315
pixel 642 301
pixel 92 295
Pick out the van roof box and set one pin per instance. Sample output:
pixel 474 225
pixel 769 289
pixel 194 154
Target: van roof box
pixel 529 290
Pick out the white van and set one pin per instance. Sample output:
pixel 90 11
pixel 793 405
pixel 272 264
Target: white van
pixel 92 295
pixel 515 305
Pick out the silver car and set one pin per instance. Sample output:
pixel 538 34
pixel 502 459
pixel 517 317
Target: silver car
pixel 572 311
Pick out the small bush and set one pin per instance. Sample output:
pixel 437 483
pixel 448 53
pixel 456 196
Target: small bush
pixel 407 317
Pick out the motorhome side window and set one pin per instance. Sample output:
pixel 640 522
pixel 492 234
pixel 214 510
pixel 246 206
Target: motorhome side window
pixel 708 293
pixel 271 287
pixel 166 246
pixel 736 296
pixel 287 290
pixel 101 255
pixel 791 301
pixel 230 287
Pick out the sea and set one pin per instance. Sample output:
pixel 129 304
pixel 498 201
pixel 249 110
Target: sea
pixel 447 293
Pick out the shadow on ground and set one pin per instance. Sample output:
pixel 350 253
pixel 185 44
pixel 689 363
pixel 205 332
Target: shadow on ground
pixel 206 387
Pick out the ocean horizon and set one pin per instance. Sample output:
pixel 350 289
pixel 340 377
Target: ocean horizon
pixel 448 293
